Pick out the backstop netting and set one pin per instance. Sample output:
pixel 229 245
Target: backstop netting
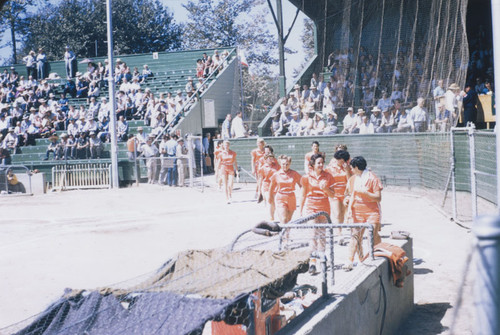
pixel 399 47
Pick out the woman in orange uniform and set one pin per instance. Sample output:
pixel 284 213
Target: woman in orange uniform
pixel 341 171
pixel 228 167
pixel 217 152
pixel 307 157
pixel 282 191
pixel 257 154
pixel 317 188
pixel 266 171
pixel 363 196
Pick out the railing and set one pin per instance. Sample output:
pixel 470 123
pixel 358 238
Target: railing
pixel 191 100
pixel 81 176
pixel 301 224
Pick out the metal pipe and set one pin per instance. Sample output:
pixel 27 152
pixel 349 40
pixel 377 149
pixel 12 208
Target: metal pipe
pixel 473 182
pixel 487 278
pixel 112 110
pixel 453 185
pixel 495 16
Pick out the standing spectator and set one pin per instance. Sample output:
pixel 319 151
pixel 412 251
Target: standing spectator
pixel 30 61
pixel 469 96
pixel 41 64
pixel 442 120
pixel 69 62
pixel 418 115
pixel 131 147
pixel 181 153
pixel 438 94
pixel 237 128
pixel 150 151
pixel 208 153
pixel 226 127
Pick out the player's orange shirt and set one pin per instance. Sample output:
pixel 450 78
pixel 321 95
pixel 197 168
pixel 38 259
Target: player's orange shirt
pixel 339 179
pixel 362 204
pixel 266 171
pixel 311 184
pixel 217 152
pixel 227 159
pixel 285 181
pixel 257 154
pixel 316 199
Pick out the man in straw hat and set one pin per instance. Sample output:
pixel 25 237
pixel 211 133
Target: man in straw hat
pixel 53 147
pixel 451 102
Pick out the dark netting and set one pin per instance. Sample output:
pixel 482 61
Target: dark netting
pixel 187 291
pixel 401 48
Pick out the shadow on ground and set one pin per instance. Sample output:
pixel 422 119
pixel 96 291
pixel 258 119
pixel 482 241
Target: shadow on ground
pixel 425 319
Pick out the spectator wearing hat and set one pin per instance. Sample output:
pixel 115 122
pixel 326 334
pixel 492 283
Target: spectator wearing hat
pixel 70 88
pixel 306 125
pixel 95 145
pixel 331 123
pixel 82 86
pixel 41 64
pixel 69 62
pixel 318 124
pixel 387 123
pixel 4 123
pixel 294 127
pixel 358 121
pixel 348 121
pixel 366 127
pixel 189 85
pixel 30 61
pixel 141 137
pixel 53 148
pixel 10 141
pixel 146 72
pixel 376 117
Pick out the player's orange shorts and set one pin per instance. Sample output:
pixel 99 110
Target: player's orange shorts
pixel 227 169
pixel 286 200
pixel 315 205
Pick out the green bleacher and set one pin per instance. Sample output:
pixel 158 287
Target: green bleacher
pixel 171 71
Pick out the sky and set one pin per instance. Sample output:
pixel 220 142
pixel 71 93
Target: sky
pixel 180 15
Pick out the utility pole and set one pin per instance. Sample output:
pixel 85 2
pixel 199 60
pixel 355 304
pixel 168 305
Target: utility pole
pixel 112 111
pixel 281 47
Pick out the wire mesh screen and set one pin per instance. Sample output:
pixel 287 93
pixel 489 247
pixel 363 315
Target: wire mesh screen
pixel 398 47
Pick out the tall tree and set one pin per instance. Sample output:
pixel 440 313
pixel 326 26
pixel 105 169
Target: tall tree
pixel 224 23
pixel 138 27
pixel 12 17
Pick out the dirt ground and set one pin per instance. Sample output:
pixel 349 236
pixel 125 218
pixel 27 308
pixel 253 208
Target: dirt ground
pixel 87 239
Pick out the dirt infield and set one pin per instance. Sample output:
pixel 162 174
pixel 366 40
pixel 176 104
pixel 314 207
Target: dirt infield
pixel 87 239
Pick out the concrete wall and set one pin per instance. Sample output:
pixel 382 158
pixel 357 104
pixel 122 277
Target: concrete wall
pixel 362 307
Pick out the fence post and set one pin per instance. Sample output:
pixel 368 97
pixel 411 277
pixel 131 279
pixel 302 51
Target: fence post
pixel 487 283
pixel 453 184
pixel 472 156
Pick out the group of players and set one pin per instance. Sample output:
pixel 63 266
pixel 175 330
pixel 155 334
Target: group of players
pixel 344 188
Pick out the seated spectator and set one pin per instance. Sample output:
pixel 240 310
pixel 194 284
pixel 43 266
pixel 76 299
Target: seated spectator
pixel 53 148
pixel 405 124
pixel 103 130
pixel 122 129
pixel 276 127
pixel 387 124
pixel 82 146
pixel 306 125
pixel 348 121
pixel 94 90
pixel 60 121
pixel 146 73
pixel 95 145
pixel 376 118
pixel 294 127
pixel 189 85
pixel 385 102
pixel 11 141
pixel 82 86
pixel 366 127
pixel 442 121
pixel 70 149
pixel 331 123
pixel 318 124
pixel 70 88
pixel 200 68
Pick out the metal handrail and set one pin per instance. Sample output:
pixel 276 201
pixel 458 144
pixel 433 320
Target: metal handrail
pixel 190 101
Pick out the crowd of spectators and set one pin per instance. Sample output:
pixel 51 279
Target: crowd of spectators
pixel 38 106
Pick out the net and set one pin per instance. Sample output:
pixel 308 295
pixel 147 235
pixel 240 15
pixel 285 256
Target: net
pixel 401 48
